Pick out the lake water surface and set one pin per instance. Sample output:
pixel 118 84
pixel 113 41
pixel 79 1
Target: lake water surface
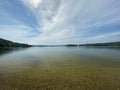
pixel 60 68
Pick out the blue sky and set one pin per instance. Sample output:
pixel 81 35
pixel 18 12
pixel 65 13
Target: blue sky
pixel 60 21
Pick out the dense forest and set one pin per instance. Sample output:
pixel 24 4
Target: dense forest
pixel 7 43
pixel 103 44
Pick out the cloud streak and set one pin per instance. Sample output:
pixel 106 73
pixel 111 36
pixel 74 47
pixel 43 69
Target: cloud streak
pixel 61 21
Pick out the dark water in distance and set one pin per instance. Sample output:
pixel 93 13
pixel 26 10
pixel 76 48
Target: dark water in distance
pixel 66 68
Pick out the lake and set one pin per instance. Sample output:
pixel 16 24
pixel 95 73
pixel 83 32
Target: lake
pixel 60 68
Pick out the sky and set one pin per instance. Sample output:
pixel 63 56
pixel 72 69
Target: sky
pixel 60 21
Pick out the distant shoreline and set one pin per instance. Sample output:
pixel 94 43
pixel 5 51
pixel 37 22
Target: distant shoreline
pixel 7 43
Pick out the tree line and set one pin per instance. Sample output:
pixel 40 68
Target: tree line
pixel 7 43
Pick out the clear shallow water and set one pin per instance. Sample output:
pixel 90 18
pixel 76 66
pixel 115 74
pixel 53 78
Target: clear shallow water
pixel 93 68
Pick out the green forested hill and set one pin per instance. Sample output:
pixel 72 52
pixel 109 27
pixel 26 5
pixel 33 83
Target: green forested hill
pixel 7 43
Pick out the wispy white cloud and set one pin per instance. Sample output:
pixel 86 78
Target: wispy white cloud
pixel 72 21
pixel 33 3
pixel 102 36
pixel 18 33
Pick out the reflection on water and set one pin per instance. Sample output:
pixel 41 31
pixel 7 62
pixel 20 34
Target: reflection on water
pixel 40 55
pixel 60 67
pixel 7 50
